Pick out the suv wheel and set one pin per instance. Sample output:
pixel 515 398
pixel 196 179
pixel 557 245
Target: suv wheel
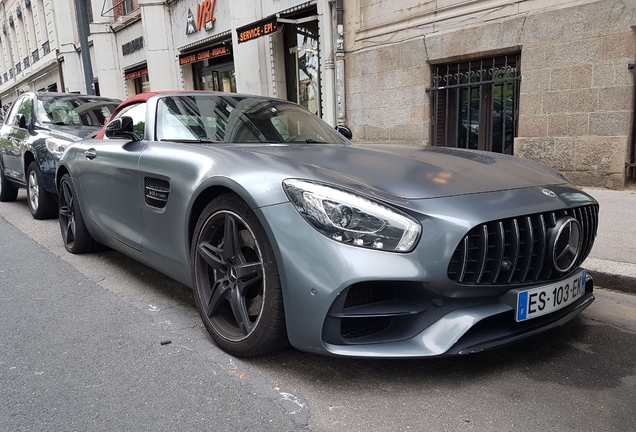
pixel 41 203
pixel 8 192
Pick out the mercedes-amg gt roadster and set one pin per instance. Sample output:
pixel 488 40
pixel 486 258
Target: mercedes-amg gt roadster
pixel 290 234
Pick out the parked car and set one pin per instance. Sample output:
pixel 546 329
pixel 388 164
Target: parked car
pixel 287 232
pixel 37 130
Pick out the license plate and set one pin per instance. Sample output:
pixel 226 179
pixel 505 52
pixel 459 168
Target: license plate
pixel 540 301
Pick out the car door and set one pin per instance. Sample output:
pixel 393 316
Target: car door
pixel 109 181
pixel 14 138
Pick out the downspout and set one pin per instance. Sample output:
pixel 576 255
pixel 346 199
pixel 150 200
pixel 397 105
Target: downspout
pixel 80 12
pixel 340 64
pixel 631 165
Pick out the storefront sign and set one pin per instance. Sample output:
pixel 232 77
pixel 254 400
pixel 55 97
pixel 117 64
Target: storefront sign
pixel 205 17
pixel 136 74
pixel 207 53
pixel 257 29
pixel 132 46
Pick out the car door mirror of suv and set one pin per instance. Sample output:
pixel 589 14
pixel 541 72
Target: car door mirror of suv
pixel 121 127
pixel 21 121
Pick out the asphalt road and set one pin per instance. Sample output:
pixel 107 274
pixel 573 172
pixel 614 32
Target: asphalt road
pixel 80 349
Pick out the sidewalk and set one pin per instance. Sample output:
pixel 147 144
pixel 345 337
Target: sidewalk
pixel 612 262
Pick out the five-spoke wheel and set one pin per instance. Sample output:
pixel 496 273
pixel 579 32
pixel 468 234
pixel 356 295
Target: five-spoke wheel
pixel 237 288
pixel 76 238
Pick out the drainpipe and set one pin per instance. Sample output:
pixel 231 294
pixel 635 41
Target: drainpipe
pixel 631 166
pixel 80 11
pixel 340 64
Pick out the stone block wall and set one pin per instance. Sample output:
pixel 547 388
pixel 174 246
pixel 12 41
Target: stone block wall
pixel 576 103
pixel 386 96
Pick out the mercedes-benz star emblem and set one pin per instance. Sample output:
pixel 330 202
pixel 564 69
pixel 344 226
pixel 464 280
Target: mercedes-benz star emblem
pixel 549 193
pixel 565 243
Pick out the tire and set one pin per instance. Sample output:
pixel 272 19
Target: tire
pixel 76 238
pixel 236 283
pixel 41 203
pixel 8 192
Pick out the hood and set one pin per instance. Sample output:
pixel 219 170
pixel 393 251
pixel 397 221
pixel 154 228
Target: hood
pixel 72 133
pixel 411 172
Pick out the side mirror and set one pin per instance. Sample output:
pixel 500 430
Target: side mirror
pixel 21 120
pixel 344 131
pixel 121 127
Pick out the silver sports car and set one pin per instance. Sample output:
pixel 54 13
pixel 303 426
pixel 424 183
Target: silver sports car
pixel 288 233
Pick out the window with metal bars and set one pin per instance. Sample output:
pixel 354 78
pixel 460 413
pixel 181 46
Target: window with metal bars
pixel 475 104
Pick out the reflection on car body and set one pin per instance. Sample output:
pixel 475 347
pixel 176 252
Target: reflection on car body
pixel 288 233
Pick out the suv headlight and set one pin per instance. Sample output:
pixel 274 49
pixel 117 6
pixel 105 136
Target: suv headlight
pixel 352 219
pixel 56 146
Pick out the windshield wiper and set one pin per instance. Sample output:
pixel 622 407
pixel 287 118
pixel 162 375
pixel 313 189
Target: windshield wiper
pixel 189 140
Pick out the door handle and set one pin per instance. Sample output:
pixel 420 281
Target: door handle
pixel 90 154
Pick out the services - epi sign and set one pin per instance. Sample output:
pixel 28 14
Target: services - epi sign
pixel 257 29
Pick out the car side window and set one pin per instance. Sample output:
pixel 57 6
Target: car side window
pixel 26 109
pixel 138 114
pixel 13 111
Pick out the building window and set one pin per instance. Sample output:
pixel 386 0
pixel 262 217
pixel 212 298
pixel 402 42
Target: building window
pixel 124 7
pixel 46 48
pixel 475 104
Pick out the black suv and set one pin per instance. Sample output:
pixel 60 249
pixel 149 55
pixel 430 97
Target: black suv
pixel 36 131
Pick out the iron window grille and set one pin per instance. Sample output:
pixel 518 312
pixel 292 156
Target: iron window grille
pixel 18 68
pixel 26 62
pixel 475 104
pixel 46 48
pixel 35 55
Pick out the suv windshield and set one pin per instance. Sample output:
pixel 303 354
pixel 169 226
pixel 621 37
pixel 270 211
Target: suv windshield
pixel 73 110
pixel 239 119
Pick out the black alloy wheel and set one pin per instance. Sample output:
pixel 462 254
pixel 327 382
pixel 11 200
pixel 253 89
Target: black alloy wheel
pixel 76 238
pixel 41 203
pixel 8 192
pixel 237 287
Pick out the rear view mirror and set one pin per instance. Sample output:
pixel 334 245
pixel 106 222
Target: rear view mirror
pixel 344 131
pixel 121 127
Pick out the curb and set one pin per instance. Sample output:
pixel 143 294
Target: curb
pixel 614 275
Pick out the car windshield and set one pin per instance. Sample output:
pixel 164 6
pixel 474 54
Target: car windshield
pixel 239 119
pixel 74 110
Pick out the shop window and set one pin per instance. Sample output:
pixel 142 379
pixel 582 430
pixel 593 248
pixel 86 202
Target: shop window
pixel 303 65
pixel 215 76
pixel 475 104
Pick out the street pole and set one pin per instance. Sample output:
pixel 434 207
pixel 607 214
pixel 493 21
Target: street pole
pixel 80 11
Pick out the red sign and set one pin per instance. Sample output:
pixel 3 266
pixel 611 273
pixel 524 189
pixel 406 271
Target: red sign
pixel 207 53
pixel 136 74
pixel 257 29
pixel 205 13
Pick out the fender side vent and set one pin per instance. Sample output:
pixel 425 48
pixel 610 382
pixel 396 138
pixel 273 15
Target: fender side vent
pixel 156 192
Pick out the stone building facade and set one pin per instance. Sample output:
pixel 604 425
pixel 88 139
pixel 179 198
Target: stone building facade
pixel 572 107
pixel 544 80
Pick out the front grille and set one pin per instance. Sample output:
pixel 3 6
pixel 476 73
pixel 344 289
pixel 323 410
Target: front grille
pixel 156 192
pixel 515 250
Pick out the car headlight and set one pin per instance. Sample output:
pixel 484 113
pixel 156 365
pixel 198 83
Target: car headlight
pixel 352 219
pixel 56 146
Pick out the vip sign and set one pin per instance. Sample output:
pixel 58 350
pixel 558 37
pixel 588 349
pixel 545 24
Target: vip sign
pixel 205 17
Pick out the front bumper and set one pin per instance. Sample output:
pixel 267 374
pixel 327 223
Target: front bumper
pixel 435 316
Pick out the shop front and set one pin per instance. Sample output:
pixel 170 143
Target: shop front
pixel 204 44
pixel 212 68
pixel 137 80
